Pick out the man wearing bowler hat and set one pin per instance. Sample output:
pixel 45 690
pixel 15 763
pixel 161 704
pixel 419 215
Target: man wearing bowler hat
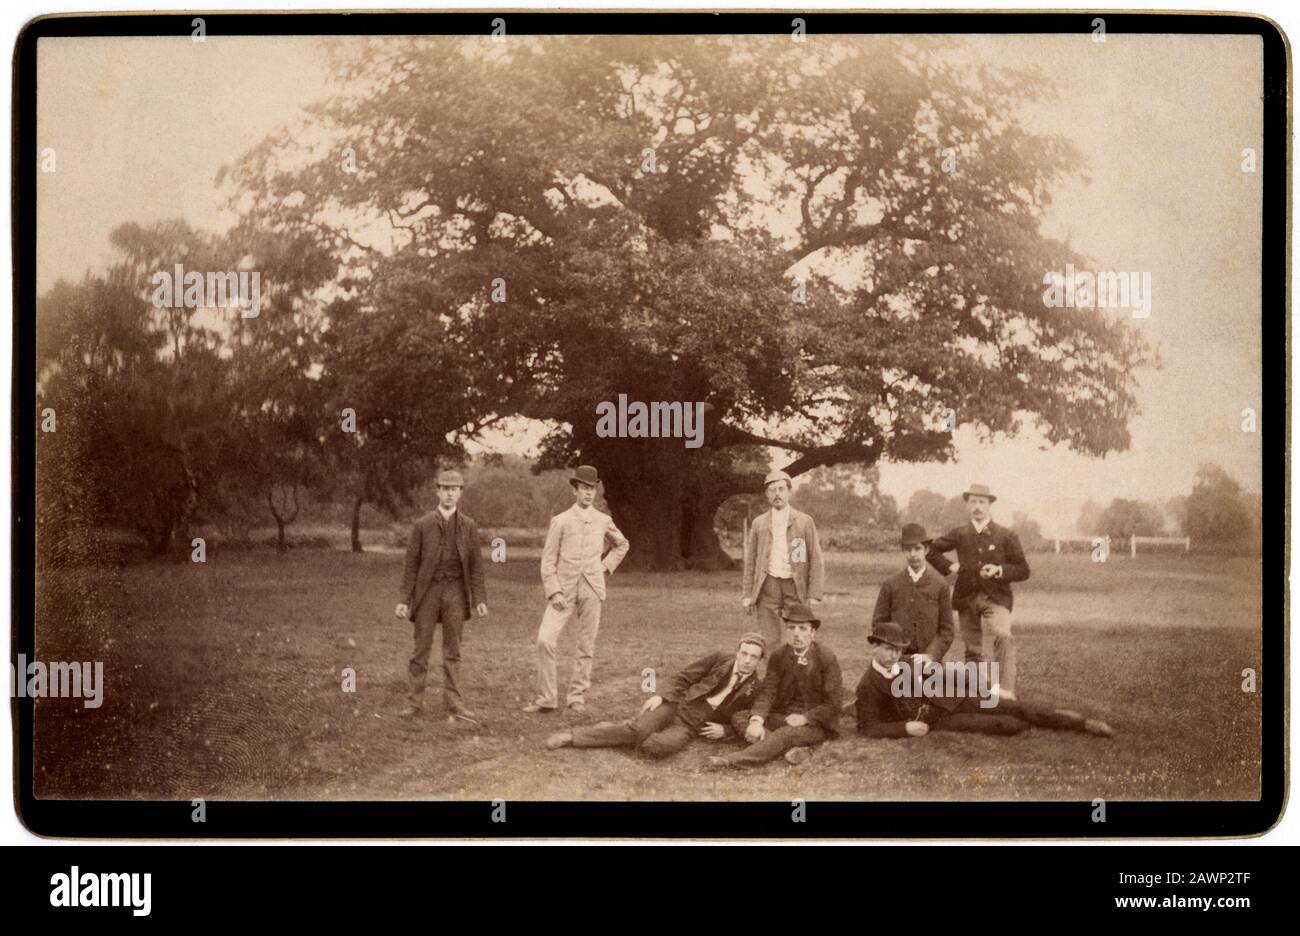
pixel 783 559
pixel 989 559
pixel 574 566
pixel 441 580
pixel 698 702
pixel 798 705
pixel 887 709
pixel 918 598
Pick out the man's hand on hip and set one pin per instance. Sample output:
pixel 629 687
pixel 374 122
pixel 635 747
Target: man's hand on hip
pixel 403 611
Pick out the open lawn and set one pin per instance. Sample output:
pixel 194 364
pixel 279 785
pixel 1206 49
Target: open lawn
pixel 223 681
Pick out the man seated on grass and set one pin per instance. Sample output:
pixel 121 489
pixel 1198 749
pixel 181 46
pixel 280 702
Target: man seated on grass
pixel 799 702
pixel 698 702
pixel 885 709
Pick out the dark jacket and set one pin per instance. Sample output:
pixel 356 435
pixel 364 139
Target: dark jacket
pixel 708 676
pixel 923 608
pixel 815 690
pixel 997 545
pixel 880 713
pixel 422 551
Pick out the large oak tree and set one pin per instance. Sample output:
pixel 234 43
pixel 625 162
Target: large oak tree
pixel 831 243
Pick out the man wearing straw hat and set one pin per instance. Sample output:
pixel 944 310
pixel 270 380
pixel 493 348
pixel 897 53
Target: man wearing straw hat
pixel 574 566
pixel 989 559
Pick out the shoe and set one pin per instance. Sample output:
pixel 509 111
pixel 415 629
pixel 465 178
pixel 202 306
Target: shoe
pixel 532 708
pixel 1095 726
pixel 559 739
pixel 578 708
pixel 410 711
pixel 797 755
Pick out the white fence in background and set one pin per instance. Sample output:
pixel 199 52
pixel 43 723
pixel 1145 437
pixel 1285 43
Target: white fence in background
pixel 1091 541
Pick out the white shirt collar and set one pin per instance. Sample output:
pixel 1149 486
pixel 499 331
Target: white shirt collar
pixel 783 512
pixel 887 673
pixel 981 528
pixel 446 514
pixel 916 576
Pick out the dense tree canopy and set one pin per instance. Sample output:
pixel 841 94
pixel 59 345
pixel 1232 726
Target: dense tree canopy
pixel 830 243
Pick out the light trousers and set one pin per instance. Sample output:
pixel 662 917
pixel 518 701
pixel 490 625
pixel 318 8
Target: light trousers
pixel 583 611
pixel 986 631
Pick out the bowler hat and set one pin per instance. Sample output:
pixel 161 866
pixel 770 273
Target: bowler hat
pixel 800 613
pixel 978 490
pixel 777 475
pixel 584 474
pixel 914 535
pixel 887 632
pixel 450 479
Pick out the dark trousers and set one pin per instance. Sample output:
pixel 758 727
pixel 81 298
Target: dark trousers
pixel 444 603
pixel 658 733
pixel 1005 718
pixel 780 738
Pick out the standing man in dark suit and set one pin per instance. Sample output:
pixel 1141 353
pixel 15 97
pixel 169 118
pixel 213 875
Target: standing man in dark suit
pixel 441 580
pixel 989 559
pixel 783 559
pixel 918 598
pixel 799 703
pixel 700 701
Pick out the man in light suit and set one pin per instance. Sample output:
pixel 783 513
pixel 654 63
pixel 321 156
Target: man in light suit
pixel 783 559
pixel 574 565
pixel 441 579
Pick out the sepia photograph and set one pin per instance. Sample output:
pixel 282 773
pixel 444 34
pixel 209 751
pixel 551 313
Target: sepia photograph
pixel 764 413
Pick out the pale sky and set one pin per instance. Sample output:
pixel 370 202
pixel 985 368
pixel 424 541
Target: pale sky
pixel 141 126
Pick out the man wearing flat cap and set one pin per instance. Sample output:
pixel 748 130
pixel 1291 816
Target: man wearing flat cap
pixel 441 580
pixel 574 566
pixel 699 702
pixel 989 559
pixel 783 559
pixel 798 705
pixel 918 598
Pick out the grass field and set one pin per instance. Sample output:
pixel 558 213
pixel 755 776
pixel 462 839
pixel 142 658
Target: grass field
pixel 223 681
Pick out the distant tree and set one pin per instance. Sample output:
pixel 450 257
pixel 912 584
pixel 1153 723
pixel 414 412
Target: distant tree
pixel 1031 536
pixel 504 491
pixel 846 495
pixel 1125 518
pixel 926 508
pixel 140 392
pixel 1218 510
pixel 954 514
pixel 1176 512
pixel 1090 522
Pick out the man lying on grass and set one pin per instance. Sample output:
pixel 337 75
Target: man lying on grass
pixel 798 705
pixel 887 708
pixel 699 702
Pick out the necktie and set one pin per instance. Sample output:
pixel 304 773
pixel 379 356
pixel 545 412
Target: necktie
pixel 716 700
